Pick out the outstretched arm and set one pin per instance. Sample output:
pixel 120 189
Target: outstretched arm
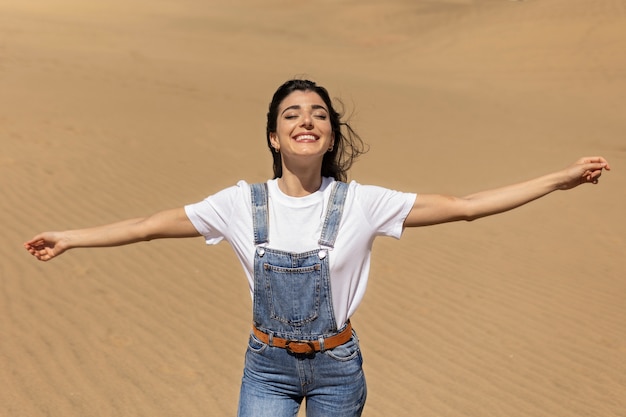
pixel 165 224
pixel 432 209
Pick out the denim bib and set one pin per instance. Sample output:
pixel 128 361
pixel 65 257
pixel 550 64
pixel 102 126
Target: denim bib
pixel 292 293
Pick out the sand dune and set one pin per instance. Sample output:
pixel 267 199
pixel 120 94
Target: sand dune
pixel 117 109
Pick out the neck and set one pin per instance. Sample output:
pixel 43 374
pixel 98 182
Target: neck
pixel 300 184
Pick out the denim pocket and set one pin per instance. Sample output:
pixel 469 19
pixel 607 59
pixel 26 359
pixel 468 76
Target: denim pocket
pixel 255 345
pixel 293 294
pixel 345 352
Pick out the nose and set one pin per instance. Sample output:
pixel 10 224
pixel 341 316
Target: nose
pixel 307 121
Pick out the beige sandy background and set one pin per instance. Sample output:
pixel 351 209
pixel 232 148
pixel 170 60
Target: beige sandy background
pixel 119 108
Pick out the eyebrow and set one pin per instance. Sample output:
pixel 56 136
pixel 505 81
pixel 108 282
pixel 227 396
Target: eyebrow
pixel 298 107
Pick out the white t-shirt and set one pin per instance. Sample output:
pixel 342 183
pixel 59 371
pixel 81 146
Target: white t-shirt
pixel 295 225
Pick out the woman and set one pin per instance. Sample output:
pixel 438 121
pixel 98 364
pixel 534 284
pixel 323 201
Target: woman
pixel 304 240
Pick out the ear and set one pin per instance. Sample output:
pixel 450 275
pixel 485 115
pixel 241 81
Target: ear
pixel 274 141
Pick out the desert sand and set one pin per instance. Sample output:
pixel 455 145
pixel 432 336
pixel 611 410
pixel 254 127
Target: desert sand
pixel 116 109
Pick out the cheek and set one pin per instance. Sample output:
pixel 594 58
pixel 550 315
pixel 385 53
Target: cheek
pixel 284 127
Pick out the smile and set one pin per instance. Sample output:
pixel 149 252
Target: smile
pixel 306 138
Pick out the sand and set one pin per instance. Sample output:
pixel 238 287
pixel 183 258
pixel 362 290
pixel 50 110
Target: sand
pixel 116 109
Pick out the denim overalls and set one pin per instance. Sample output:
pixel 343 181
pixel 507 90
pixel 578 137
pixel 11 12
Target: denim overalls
pixel 292 300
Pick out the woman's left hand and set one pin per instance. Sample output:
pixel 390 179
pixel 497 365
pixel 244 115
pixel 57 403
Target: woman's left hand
pixel 585 170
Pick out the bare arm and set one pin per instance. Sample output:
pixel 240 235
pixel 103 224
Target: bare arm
pixel 165 224
pixel 432 209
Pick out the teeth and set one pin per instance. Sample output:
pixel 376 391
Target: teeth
pixel 306 137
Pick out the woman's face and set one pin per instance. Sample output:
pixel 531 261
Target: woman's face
pixel 303 128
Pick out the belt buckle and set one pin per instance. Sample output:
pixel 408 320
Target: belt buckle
pixel 301 344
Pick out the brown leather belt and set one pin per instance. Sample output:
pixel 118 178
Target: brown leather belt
pixel 305 347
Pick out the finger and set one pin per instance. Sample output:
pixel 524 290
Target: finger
pixel 31 250
pixel 596 160
pixel 593 177
pixel 34 246
pixel 594 165
pixel 593 159
pixel 36 241
pixel 43 255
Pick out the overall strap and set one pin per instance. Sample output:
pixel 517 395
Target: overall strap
pixel 260 218
pixel 333 214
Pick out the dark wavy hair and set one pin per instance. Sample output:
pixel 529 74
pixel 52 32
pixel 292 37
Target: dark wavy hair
pixel 348 145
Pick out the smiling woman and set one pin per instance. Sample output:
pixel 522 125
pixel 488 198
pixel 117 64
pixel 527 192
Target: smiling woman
pixel 305 239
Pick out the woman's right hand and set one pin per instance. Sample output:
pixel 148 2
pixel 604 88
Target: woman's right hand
pixel 47 245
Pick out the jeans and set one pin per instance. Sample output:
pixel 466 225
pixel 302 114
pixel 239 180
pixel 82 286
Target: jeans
pixel 275 382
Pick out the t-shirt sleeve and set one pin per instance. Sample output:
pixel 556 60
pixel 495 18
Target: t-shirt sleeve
pixel 212 216
pixel 384 209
